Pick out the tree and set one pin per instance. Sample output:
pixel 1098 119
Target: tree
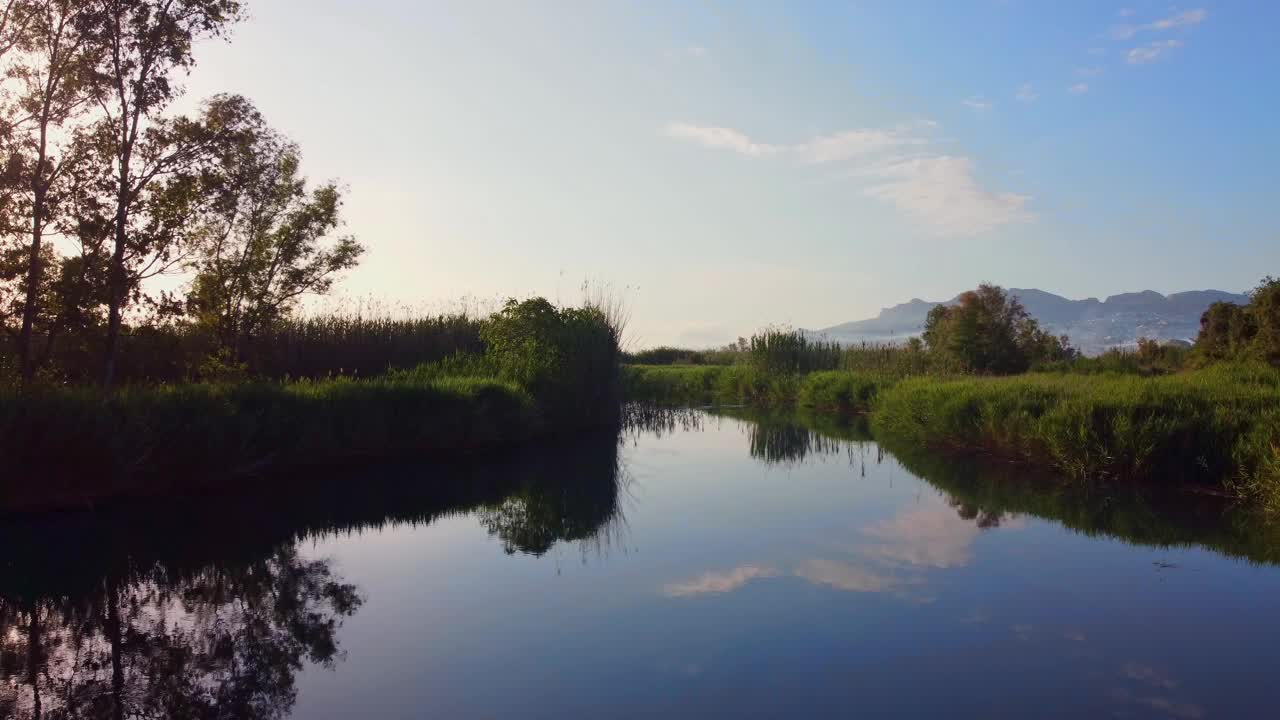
pixel 1264 306
pixel 142 45
pixel 262 241
pixel 989 331
pixel 1249 332
pixel 52 73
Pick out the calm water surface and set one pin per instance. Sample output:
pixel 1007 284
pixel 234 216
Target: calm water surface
pixel 702 566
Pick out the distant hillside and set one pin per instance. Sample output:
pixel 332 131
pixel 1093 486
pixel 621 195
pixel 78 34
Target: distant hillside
pixel 1093 325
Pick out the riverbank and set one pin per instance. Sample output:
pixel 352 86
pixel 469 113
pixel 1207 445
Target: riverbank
pixel 85 447
pixel 544 372
pixel 1218 427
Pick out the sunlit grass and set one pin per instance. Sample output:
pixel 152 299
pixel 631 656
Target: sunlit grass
pixel 1218 426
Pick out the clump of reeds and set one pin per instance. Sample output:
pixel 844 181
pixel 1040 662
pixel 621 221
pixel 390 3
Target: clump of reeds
pixel 1217 425
pixel 782 350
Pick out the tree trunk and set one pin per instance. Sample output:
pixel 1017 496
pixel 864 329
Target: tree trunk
pixel 117 278
pixel 35 659
pixel 26 346
pixel 115 635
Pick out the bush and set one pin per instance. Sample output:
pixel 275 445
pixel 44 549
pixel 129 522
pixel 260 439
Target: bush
pixel 569 358
pixel 1250 332
pixel 988 331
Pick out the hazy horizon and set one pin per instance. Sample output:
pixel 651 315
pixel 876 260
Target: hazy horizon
pixel 744 164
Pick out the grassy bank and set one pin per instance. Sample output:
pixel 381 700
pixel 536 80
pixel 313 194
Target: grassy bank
pixel 544 371
pixel 1217 427
pixel 148 440
pixel 832 390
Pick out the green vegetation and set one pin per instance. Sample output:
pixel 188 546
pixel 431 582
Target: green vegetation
pixel 544 371
pixel 1149 415
pixel 987 331
pixel 989 493
pixel 109 387
pixel 357 344
pixel 1249 332
pixel 1219 427
pixel 666 355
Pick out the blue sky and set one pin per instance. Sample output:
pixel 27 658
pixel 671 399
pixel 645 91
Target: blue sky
pixel 740 164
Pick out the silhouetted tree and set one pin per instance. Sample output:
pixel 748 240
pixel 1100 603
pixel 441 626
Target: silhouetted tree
pixel 147 160
pixel 261 244
pixel 52 73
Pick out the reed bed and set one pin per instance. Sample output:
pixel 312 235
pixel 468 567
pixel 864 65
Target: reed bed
pixel 544 371
pixel 354 343
pixel 1217 427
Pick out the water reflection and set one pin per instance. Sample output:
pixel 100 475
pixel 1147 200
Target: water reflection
pixel 204 608
pixel 220 642
pixel 781 437
pixel 212 607
pixel 989 495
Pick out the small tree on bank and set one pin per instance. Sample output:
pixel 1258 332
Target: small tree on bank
pixel 263 242
pixel 1243 332
pixel 989 331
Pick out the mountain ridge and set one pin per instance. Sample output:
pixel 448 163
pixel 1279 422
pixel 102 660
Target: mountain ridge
pixel 1092 325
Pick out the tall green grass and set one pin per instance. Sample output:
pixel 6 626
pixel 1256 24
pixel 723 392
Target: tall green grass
pixel 1217 427
pixel 358 344
pixel 68 446
pixel 746 384
pixel 545 370
pixel 780 351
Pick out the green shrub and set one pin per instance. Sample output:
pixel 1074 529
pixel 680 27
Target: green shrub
pixel 569 358
pixel 1212 426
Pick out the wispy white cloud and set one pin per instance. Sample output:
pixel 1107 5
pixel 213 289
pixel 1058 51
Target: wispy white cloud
pixel 1078 88
pixel 1151 52
pixel 939 191
pixel 1125 12
pixel 720 138
pixel 852 143
pixel 1026 93
pixel 822 149
pixel 942 193
pixel 1091 71
pixel 1182 19
pixel 719 582
pixel 850 577
pixel 1186 18
pixel 977 102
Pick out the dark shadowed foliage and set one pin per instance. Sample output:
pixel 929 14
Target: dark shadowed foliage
pixel 206 620
pixel 1243 333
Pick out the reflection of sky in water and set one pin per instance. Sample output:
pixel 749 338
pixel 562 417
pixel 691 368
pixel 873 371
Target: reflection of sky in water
pixel 840 587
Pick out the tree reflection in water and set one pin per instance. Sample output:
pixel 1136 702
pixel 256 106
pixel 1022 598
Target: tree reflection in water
pixel 988 493
pixel 203 607
pixel 221 642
